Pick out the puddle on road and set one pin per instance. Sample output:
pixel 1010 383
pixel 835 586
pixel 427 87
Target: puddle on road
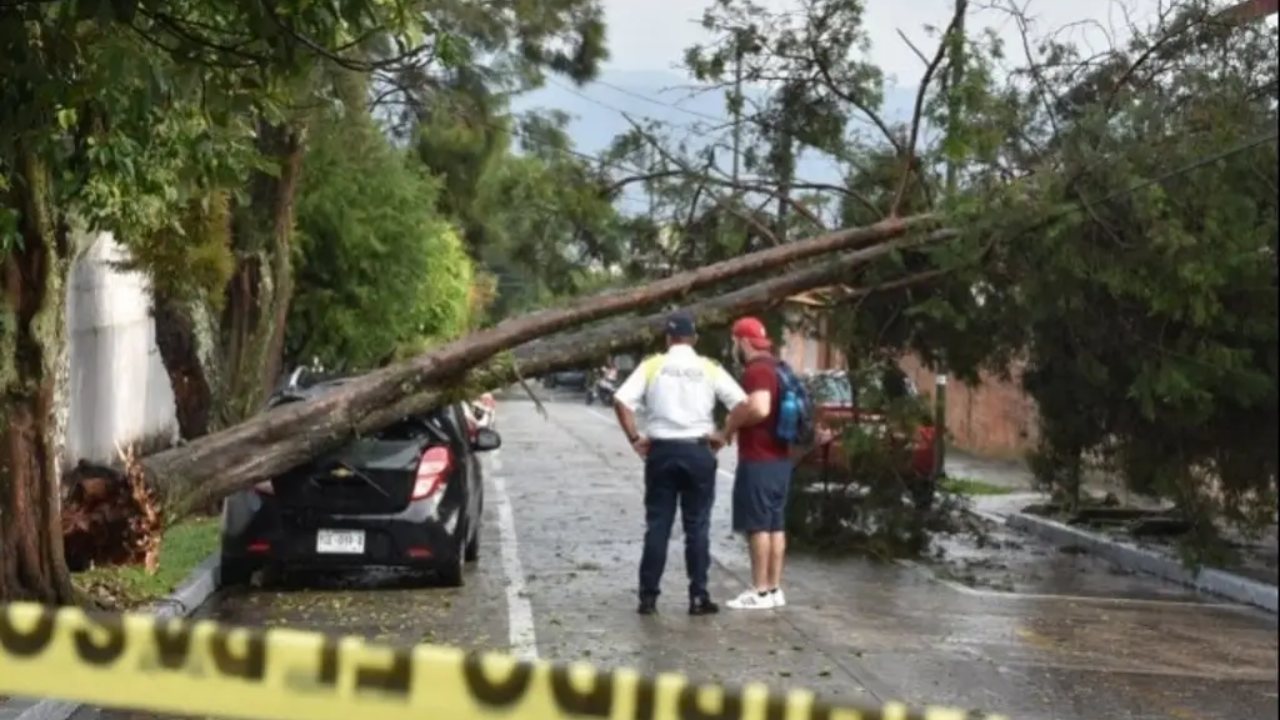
pixel 999 559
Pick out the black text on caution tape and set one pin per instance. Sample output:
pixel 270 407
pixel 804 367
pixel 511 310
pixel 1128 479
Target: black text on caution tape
pixel 491 686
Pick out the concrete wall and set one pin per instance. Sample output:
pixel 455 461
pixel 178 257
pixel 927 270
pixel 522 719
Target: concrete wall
pixel 118 390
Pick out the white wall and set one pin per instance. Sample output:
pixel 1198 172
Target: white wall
pixel 119 391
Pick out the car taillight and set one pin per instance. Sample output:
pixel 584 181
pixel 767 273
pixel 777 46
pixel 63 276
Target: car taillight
pixel 264 488
pixel 432 471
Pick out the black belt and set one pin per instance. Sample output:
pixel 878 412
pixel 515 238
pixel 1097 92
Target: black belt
pixel 681 441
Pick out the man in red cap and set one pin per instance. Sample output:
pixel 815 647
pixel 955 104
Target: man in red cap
pixel 763 477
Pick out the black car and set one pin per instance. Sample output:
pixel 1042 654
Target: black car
pixel 410 496
pixel 567 379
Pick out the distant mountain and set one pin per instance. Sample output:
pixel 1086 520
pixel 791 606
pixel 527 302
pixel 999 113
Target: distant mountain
pixel 597 110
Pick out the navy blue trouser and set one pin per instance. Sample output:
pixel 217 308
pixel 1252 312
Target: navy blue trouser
pixel 678 474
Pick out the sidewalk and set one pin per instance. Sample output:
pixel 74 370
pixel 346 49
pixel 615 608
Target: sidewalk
pixel 1252 580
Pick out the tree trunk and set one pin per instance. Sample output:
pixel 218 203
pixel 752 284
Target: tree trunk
pixel 260 290
pixel 208 469
pixel 332 422
pixel 32 339
pixel 177 337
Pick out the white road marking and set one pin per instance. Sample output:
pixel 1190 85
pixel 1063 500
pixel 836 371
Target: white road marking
pixel 520 628
pixel 600 415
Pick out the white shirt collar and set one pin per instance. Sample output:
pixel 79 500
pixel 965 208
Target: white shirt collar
pixel 681 349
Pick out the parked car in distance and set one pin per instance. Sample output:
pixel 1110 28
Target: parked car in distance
pixel 840 402
pixel 567 379
pixel 410 496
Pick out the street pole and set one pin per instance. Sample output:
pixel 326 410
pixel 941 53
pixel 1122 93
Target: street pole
pixel 957 42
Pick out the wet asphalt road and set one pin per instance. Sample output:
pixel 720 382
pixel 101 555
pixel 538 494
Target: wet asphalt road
pixel 1072 640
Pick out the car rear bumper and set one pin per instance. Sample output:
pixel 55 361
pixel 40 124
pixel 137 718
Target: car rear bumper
pixel 920 464
pixel 260 532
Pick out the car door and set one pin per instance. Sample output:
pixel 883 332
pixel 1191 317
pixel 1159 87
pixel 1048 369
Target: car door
pixel 470 461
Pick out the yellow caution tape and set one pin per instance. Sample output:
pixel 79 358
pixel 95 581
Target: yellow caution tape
pixel 202 668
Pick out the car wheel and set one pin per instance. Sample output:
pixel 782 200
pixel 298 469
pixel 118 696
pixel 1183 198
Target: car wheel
pixel 235 573
pixel 452 574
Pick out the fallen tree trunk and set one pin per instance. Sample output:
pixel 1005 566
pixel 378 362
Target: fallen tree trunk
pixel 328 421
pixel 181 480
pixel 295 433
pixel 564 352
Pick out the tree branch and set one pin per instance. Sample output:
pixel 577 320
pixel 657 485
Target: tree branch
pixel 908 158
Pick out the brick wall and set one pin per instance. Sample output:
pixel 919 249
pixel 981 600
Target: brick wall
pixel 804 352
pixel 993 419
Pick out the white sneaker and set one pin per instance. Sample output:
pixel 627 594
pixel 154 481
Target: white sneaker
pixel 779 599
pixel 752 600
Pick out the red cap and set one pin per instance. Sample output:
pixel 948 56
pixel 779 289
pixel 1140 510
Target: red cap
pixel 752 330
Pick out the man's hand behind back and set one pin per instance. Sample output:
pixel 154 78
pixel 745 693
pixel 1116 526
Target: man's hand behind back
pixel 719 439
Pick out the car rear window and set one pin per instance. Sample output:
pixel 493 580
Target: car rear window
pixel 832 389
pixel 877 388
pixel 407 429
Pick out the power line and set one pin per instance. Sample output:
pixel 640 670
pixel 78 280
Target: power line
pixel 620 111
pixel 1082 204
pixel 1256 141
pixel 694 113
pixel 692 128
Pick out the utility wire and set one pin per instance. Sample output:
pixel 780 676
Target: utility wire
pixel 570 89
pixel 1256 141
pixel 625 114
pixel 1253 142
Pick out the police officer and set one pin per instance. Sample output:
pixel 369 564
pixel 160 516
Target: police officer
pixel 678 391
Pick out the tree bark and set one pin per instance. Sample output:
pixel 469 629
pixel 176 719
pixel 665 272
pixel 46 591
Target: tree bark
pixel 567 351
pixel 208 469
pixel 179 344
pixel 330 421
pixel 33 279
pixel 258 295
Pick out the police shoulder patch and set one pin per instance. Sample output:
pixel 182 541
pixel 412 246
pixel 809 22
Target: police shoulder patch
pixel 650 366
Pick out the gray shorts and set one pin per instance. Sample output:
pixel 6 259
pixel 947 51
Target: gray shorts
pixel 760 490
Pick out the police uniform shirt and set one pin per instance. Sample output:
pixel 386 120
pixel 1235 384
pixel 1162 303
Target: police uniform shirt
pixel 678 392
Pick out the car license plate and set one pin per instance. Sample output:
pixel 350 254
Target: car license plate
pixel 340 542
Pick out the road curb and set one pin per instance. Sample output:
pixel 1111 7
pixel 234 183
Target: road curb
pixel 1137 559
pixel 189 595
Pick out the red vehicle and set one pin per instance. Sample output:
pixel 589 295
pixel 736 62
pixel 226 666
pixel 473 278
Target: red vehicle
pixel 839 403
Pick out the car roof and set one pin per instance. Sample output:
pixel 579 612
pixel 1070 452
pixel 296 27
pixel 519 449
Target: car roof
pixel 298 393
pixel 306 392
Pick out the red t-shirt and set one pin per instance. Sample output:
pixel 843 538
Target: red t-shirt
pixel 758 441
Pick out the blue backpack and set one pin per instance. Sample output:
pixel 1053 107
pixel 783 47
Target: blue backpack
pixel 795 423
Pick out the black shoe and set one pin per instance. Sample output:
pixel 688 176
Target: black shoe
pixel 703 606
pixel 648 606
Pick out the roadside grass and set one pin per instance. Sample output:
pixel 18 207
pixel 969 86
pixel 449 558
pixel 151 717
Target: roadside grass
pixel 182 548
pixel 972 487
